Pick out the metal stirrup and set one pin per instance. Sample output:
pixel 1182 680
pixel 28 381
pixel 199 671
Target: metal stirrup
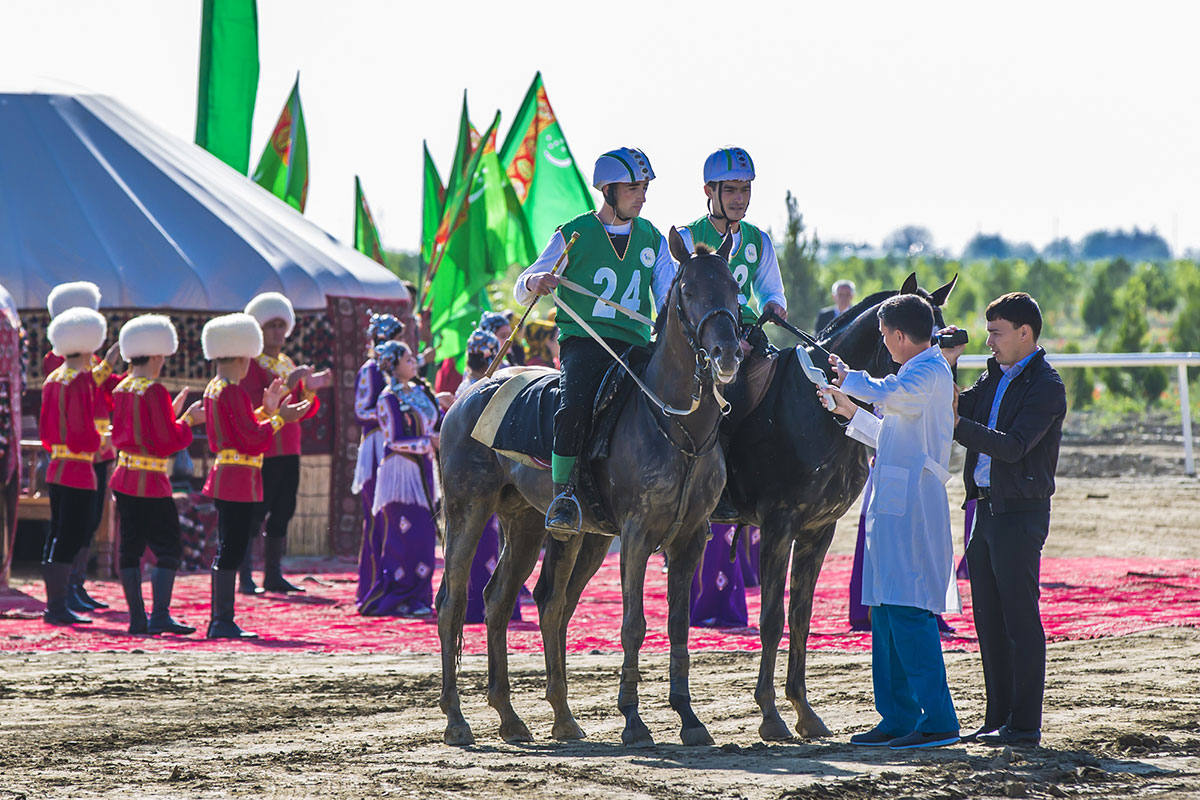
pixel 567 494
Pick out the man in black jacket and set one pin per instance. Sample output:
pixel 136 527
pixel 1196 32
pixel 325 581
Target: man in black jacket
pixel 1010 421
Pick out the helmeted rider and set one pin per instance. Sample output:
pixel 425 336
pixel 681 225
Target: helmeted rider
pixel 621 257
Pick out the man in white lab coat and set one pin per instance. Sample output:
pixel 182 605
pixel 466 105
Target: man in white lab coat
pixel 908 570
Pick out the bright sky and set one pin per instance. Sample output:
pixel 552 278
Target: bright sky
pixel 1030 119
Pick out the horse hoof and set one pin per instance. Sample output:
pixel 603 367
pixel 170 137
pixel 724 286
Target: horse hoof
pixel 774 730
pixel 812 728
pixel 459 735
pixel 694 737
pixel 515 731
pixel 567 731
pixel 637 736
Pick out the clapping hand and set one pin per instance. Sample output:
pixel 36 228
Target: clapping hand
pixel 294 411
pixel 273 395
pixel 113 356
pixel 318 380
pixel 178 401
pixel 195 413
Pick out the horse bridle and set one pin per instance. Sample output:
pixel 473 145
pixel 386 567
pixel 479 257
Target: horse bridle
pixel 691 334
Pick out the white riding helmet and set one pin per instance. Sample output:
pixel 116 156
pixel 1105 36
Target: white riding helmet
pixel 623 165
pixel 728 164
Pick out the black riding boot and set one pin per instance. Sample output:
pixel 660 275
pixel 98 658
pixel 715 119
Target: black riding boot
pixel 246 584
pixel 57 577
pixel 564 517
pixel 273 580
pixel 162 583
pixel 131 582
pixel 222 625
pixel 77 597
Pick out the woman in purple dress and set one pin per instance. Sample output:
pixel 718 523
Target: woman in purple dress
pixel 368 386
pixel 400 569
pixel 718 590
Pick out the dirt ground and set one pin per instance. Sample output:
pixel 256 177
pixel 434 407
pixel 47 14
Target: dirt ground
pixel 1122 714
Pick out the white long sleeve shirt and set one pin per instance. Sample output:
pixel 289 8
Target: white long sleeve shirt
pixel 768 283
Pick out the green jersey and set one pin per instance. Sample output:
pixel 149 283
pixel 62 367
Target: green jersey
pixel 626 280
pixel 743 262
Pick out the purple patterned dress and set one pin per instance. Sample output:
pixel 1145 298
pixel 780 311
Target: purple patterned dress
pixel 718 591
pixel 368 387
pixel 399 568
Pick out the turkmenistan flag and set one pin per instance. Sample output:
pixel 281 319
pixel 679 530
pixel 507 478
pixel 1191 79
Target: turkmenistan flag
pixel 433 203
pixel 228 80
pixel 283 168
pixel 543 172
pixel 366 235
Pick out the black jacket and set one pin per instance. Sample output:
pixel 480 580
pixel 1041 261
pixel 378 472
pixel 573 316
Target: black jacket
pixel 824 317
pixel 1024 444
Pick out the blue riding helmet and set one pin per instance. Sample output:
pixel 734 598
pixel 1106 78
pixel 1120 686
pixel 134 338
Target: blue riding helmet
pixel 623 165
pixel 728 164
pixel 388 354
pixel 383 327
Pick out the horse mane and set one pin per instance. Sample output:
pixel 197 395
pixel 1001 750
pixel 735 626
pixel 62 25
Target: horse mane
pixel 703 250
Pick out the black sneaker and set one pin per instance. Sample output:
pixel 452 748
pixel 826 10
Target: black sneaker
pixel 1007 736
pixel 922 739
pixel 873 738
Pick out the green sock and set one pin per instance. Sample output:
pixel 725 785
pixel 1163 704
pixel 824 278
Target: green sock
pixel 560 467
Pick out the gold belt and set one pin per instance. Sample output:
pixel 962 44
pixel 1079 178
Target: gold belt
pixel 147 463
pixel 62 452
pixel 237 457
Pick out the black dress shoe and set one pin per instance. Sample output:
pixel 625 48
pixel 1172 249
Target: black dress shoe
pixel 1011 736
pixel 968 738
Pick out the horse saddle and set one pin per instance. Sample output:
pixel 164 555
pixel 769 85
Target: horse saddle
pixel 518 422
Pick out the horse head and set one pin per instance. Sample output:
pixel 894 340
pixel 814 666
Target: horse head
pixel 703 299
pixel 854 335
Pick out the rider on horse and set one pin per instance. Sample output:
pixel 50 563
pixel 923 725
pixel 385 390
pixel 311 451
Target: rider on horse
pixel 622 258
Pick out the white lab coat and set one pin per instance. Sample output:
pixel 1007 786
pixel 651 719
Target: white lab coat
pixel 909 555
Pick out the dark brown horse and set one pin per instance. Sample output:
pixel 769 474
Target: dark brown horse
pixel 659 484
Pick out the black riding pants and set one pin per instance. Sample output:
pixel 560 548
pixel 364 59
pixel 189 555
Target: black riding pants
pixel 1004 557
pixel 95 510
pixel 70 521
pixel 281 482
pixel 149 522
pixel 235 524
pixel 583 363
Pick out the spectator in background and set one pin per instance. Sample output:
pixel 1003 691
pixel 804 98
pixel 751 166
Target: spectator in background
pixel 1010 421
pixel 843 298
pixel 541 343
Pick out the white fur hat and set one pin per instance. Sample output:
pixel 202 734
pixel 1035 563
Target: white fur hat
pixel 77 330
pixel 231 336
pixel 148 335
pixel 272 305
pixel 78 294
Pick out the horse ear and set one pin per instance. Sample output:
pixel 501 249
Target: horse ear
pixel 938 296
pixel 726 247
pixel 679 250
pixel 910 284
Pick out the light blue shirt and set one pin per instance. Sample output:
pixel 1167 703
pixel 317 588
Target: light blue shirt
pixel 983 467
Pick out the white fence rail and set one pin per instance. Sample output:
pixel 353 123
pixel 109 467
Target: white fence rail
pixel 1181 361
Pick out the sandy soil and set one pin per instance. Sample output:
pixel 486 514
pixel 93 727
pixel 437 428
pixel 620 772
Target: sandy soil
pixel 1122 714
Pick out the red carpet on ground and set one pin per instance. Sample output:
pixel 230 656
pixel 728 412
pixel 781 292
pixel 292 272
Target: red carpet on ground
pixel 1081 599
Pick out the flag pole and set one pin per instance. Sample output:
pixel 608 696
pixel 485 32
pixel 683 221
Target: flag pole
pixel 512 336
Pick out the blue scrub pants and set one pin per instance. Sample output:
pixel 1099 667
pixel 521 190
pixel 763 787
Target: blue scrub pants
pixel 911 693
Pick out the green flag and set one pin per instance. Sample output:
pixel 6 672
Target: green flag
pixel 283 168
pixel 433 202
pixel 464 148
pixel 544 175
pixel 366 235
pixel 228 80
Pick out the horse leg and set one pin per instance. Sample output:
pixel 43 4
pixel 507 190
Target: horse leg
pixel 523 537
pixel 634 554
pixel 774 545
pixel 551 597
pixel 680 571
pixel 464 528
pixel 806 566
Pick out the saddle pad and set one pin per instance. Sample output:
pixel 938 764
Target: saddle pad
pixel 518 421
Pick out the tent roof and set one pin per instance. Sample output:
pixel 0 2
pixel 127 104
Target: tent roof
pixel 91 191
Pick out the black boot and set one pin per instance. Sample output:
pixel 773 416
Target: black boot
pixel 725 512
pixel 273 580
pixel 246 584
pixel 77 597
pixel 162 582
pixel 131 582
pixel 222 625
pixel 57 613
pixel 564 517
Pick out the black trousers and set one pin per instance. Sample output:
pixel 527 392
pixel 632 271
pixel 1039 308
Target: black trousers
pixel 235 525
pixel 281 482
pixel 70 522
pixel 583 363
pixel 149 522
pixel 1004 557
pixel 101 469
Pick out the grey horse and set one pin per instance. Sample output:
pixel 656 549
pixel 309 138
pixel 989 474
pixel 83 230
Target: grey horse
pixel 659 484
